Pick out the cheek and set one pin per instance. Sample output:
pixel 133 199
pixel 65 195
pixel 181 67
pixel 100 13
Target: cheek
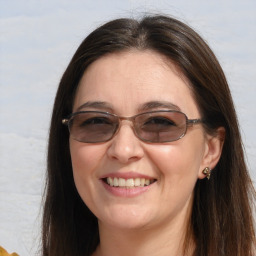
pixel 84 157
pixel 177 166
pixel 179 162
pixel 79 158
pixel 85 160
pixel 173 159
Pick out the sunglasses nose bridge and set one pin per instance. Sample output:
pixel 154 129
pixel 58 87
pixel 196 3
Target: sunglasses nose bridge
pixel 128 120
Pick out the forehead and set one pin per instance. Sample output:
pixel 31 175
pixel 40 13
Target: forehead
pixel 128 80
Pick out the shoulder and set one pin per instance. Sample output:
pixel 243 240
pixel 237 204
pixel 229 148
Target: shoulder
pixel 3 252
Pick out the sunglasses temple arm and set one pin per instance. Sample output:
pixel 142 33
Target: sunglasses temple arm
pixel 194 121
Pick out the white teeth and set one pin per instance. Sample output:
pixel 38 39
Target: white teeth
pixel 116 182
pixel 121 182
pixel 128 183
pixel 142 182
pixel 137 182
pixel 110 181
pixel 147 182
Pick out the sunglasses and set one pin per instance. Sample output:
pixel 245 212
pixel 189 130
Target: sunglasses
pixel 154 127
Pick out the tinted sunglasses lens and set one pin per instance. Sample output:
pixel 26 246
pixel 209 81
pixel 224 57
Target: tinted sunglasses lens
pixel 161 126
pixel 92 127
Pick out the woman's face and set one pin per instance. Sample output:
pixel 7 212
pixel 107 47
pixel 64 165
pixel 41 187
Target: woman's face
pixel 126 84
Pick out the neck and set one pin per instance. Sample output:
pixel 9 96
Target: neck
pixel 164 239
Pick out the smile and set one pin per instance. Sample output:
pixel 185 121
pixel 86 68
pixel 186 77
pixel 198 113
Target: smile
pixel 128 183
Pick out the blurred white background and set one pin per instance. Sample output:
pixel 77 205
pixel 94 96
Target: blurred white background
pixel 37 40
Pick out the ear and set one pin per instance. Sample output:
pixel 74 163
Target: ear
pixel 213 149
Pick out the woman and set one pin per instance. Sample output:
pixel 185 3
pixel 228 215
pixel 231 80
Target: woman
pixel 145 155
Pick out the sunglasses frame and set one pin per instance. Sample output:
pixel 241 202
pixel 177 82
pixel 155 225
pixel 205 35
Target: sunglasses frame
pixel 189 123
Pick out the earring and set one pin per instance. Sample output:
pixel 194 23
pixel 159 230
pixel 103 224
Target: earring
pixel 207 171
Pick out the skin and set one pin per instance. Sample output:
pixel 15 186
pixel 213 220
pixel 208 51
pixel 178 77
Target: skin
pixel 157 219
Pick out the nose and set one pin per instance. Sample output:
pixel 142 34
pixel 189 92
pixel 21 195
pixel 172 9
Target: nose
pixel 125 146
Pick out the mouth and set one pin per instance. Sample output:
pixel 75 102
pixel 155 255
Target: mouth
pixel 128 183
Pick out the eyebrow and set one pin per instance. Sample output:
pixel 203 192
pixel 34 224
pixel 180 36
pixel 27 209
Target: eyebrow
pixel 144 107
pixel 96 104
pixel 158 104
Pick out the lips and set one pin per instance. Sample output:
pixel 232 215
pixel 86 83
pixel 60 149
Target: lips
pixel 128 183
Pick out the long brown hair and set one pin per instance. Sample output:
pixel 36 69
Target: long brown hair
pixel 222 217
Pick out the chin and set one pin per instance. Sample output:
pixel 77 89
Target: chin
pixel 126 218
